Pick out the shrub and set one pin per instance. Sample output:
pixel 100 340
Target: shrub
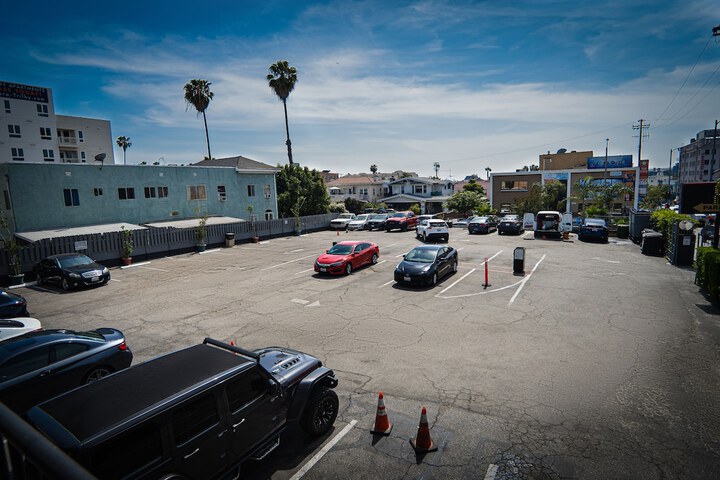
pixel 415 209
pixel 707 267
pixel 663 220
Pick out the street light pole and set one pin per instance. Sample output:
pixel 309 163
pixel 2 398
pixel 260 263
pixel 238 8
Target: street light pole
pixel 607 141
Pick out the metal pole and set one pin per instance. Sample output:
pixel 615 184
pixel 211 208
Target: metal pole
pixel 712 158
pixel 607 141
pixel 670 177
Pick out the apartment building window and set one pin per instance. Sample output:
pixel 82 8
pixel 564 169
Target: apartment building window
pixel 419 188
pixel 162 192
pixel 266 190
pixel 97 192
pixel 82 156
pixel 17 154
pixel 7 107
pixel 14 131
pixel 45 133
pixel 126 193
pixel 251 190
pixel 42 110
pixel 196 192
pixel 520 185
pixel 222 196
pixel 49 155
pixel 150 192
pixel 268 215
pixel 363 191
pixel 72 198
pixel 80 136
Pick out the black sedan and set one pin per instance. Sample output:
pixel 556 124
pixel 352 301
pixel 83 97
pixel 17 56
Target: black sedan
pixel 593 229
pixel 483 224
pixel 510 224
pixel 39 365
pixel 12 305
pixel 70 270
pixel 426 264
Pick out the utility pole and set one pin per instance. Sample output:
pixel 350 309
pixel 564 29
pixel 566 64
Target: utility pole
pixel 436 166
pixel 641 126
pixel 607 142
pixel 712 158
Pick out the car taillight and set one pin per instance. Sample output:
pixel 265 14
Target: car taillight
pixel 122 347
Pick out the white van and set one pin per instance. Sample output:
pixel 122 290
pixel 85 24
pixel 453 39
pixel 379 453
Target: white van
pixel 550 223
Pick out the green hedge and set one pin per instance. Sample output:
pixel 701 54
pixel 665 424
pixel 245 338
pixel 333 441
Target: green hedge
pixel 707 270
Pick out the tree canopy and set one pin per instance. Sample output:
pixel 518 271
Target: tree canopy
pixel 294 182
pixel 474 186
pixel 465 202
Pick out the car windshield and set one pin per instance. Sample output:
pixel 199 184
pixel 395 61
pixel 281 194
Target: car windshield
pixel 421 255
pixel 75 261
pixel 346 215
pixel 379 216
pixel 397 215
pixel 340 249
pixel 595 222
pixel 361 217
pixel 511 218
pixel 479 220
pixel 436 223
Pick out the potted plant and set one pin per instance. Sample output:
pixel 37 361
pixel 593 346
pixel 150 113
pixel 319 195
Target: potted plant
pixel 12 248
pixel 251 217
pixel 201 233
pixel 127 245
pixel 296 212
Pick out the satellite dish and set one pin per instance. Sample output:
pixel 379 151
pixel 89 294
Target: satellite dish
pixel 99 157
pixel 686 225
pixel 562 150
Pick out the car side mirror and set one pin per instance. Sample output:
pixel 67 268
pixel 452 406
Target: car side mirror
pixel 274 388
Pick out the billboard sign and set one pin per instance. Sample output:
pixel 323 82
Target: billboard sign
pixel 18 91
pixel 557 177
pixel 613 161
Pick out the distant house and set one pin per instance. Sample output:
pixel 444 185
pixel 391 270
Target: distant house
pixel 429 193
pixel 364 188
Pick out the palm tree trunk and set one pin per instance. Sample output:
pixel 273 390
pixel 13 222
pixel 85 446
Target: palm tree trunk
pixel 124 161
pixel 207 136
pixel 287 133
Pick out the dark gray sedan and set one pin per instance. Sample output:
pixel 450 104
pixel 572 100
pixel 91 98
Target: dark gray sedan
pixel 39 365
pixel 426 264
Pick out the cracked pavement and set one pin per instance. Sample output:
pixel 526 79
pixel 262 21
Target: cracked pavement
pixel 604 366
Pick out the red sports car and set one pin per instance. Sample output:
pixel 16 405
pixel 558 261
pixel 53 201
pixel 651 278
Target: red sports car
pixel 344 257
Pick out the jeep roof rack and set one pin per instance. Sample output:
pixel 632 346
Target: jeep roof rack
pixel 241 351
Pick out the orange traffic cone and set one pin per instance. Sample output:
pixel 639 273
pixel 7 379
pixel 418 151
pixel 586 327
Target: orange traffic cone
pixel 423 443
pixel 382 424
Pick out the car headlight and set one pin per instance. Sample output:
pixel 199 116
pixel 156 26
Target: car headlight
pixel 105 270
pixel 75 276
pixel 336 264
pixel 399 268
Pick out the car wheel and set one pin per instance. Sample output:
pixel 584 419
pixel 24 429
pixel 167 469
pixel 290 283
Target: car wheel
pixel 66 285
pixel 348 268
pixel 38 279
pixel 374 259
pixel 454 266
pixel 320 412
pixel 434 279
pixel 96 374
pixel 424 237
pixel 404 228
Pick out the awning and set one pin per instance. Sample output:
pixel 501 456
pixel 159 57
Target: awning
pixel 194 222
pixel 71 232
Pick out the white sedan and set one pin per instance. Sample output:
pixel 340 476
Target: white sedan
pixel 340 223
pixel 433 229
pixel 12 327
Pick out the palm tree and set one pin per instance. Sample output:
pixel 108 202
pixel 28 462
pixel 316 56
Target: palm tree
pixel 282 79
pixel 373 169
pixel 198 94
pixel 124 143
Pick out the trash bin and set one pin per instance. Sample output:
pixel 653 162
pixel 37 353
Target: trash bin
pixel 652 243
pixel 623 231
pixel 519 261
pixel 229 239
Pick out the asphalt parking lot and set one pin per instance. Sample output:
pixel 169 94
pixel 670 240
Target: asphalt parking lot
pixel 598 363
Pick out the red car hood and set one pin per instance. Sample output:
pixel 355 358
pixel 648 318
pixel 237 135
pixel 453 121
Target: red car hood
pixel 329 258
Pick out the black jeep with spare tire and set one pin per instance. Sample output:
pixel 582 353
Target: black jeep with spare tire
pixel 192 414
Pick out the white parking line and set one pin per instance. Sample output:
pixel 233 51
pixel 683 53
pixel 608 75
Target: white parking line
pixel 491 472
pixel 524 280
pixel 305 271
pixel 153 268
pixel 404 253
pixel 290 261
pixel 386 284
pixel 306 468
pixel 455 282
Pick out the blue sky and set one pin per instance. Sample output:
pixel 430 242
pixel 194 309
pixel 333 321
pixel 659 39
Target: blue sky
pixel 402 85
